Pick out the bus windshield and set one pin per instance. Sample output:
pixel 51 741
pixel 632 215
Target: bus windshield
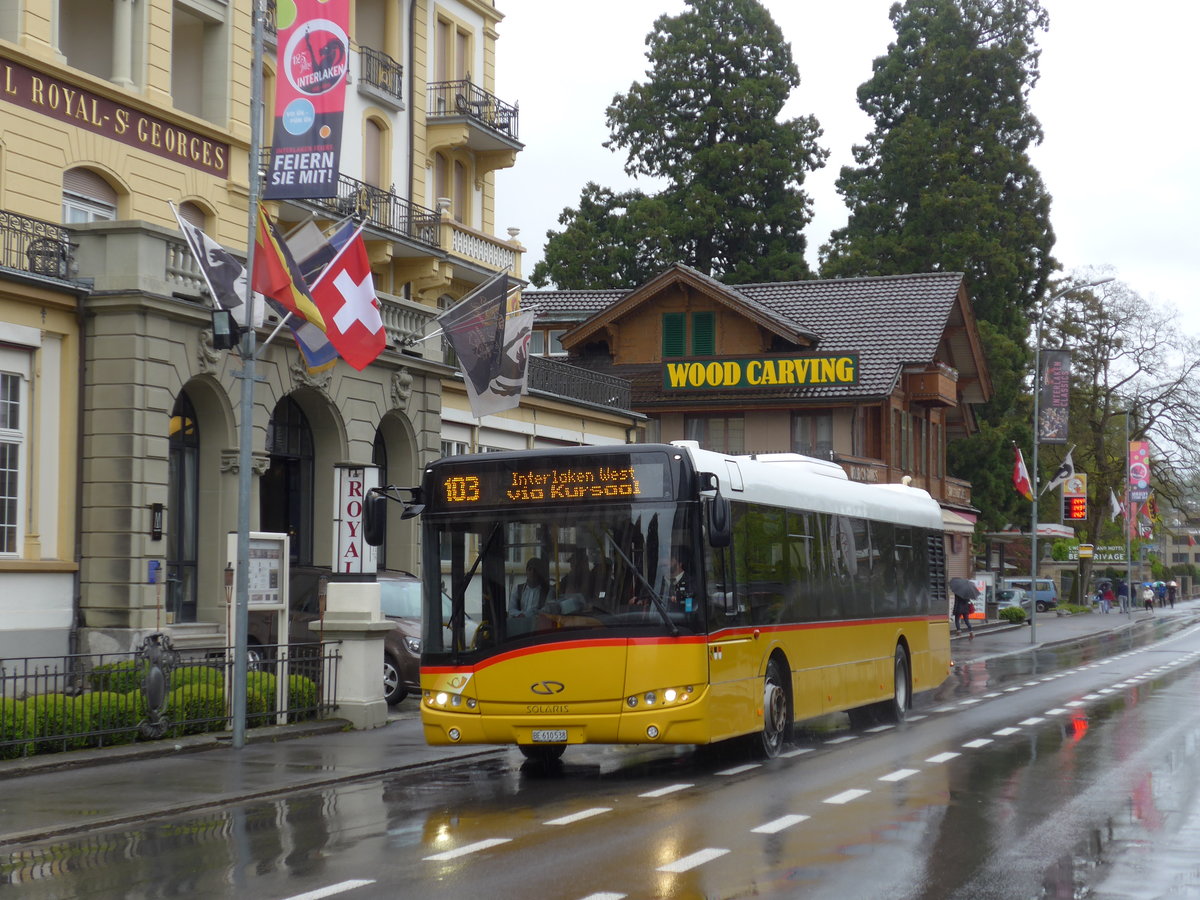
pixel 536 573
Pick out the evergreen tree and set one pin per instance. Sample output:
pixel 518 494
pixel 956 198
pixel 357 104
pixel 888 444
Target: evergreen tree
pixel 706 122
pixel 945 183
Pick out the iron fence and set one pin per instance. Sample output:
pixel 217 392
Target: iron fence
pixel 383 72
pixel 464 98
pixel 51 704
pixel 31 245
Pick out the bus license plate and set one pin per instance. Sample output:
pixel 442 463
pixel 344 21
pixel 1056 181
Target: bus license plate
pixel 549 735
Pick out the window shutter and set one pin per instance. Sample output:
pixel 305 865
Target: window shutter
pixel 704 338
pixel 674 334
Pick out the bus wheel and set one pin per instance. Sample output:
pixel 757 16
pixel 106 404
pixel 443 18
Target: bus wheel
pixel 776 709
pixel 542 753
pixel 896 709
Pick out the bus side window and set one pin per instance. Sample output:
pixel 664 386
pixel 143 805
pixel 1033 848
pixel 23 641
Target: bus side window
pixel 718 581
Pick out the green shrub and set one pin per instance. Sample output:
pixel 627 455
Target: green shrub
pixel 195 708
pixel 116 713
pixel 184 675
pixel 14 727
pixel 119 677
pixel 302 694
pixel 1013 614
pixel 58 722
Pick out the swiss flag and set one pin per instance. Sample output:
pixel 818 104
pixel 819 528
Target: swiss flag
pixel 1020 475
pixel 345 295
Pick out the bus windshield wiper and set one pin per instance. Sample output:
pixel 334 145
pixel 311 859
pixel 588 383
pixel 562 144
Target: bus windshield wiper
pixel 655 597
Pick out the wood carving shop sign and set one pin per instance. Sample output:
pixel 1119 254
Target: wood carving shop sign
pixel 78 106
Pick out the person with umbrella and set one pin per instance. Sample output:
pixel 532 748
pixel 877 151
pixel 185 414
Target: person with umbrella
pixel 964 593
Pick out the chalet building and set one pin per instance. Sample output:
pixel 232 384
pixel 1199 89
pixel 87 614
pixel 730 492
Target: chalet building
pixel 119 420
pixel 877 374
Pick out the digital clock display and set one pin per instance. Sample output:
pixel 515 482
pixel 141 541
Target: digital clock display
pixel 578 480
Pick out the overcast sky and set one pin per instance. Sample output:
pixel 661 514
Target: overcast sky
pixel 1117 101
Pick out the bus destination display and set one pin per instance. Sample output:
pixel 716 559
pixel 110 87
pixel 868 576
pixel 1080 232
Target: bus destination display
pixel 564 483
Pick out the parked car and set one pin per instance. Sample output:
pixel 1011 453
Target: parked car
pixel 400 602
pixel 1046 594
pixel 1006 597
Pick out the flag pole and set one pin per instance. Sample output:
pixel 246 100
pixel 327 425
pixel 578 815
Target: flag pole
pixel 241 622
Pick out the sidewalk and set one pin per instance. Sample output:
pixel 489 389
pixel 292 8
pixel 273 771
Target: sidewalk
pixel 67 793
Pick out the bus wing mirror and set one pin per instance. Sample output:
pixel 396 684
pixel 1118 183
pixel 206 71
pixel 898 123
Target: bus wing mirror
pixel 719 526
pixel 375 518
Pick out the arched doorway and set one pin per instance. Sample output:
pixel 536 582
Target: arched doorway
pixel 183 510
pixel 286 489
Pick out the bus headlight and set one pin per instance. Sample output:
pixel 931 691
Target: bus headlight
pixel 664 697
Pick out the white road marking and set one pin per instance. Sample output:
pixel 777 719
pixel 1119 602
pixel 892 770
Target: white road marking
pixel 1032 720
pixel 604 895
pixel 898 775
pixel 777 825
pixel 579 816
pixel 796 752
pixel 977 743
pixel 1032 683
pixel 842 739
pixel 340 888
pixel 992 694
pixel 845 796
pixel 1005 732
pixel 969 702
pixel 738 770
pixel 669 789
pixel 1057 711
pixel 468 849
pixel 698 858
pixel 879 728
pixel 1011 689
pixel 1076 703
pixel 1091 696
pixel 943 757
pixel 913 718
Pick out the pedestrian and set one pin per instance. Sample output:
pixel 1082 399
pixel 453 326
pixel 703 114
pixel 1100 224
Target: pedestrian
pixel 1148 597
pixel 1171 593
pixel 1123 596
pixel 963 608
pixel 1106 598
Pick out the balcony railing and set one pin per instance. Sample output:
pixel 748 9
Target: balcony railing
pixel 462 98
pixel 576 383
pixel 34 246
pixel 383 210
pixel 381 72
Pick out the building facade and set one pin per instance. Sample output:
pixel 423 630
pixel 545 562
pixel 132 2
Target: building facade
pixel 122 489
pixel 876 374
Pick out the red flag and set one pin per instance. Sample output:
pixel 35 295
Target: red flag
pixel 1021 475
pixel 345 294
pixel 1191 541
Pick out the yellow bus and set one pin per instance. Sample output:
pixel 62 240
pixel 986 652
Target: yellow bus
pixel 664 594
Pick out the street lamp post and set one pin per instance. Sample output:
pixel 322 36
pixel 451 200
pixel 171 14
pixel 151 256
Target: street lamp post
pixel 1033 474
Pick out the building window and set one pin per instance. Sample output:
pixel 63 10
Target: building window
pixel 812 434
pixel 722 434
pixel 200 58
pixel 14 375
pixel 674 334
pixel 704 338
pixel 373 154
pixel 100 37
pixel 183 509
pixel 87 197
pixel 285 491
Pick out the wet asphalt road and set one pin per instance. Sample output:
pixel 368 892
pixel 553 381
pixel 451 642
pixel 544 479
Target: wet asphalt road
pixel 1066 772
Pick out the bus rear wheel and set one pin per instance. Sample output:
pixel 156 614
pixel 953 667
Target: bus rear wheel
pixel 776 710
pixel 542 753
pixel 896 709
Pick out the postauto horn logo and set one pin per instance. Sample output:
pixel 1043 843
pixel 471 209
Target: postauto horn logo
pixel 547 687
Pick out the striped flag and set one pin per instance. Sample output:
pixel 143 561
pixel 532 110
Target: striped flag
pixel 1021 475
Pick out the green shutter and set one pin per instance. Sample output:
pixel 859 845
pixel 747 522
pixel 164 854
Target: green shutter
pixel 674 334
pixel 704 337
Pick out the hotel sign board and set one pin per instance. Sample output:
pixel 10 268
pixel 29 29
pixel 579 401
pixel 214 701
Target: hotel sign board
pixel 753 373
pixel 85 109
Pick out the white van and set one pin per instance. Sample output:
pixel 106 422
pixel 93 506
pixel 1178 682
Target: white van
pixel 1046 595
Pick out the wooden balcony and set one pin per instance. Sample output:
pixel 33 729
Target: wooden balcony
pixel 933 385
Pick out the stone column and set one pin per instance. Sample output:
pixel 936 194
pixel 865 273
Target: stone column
pixel 352 617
